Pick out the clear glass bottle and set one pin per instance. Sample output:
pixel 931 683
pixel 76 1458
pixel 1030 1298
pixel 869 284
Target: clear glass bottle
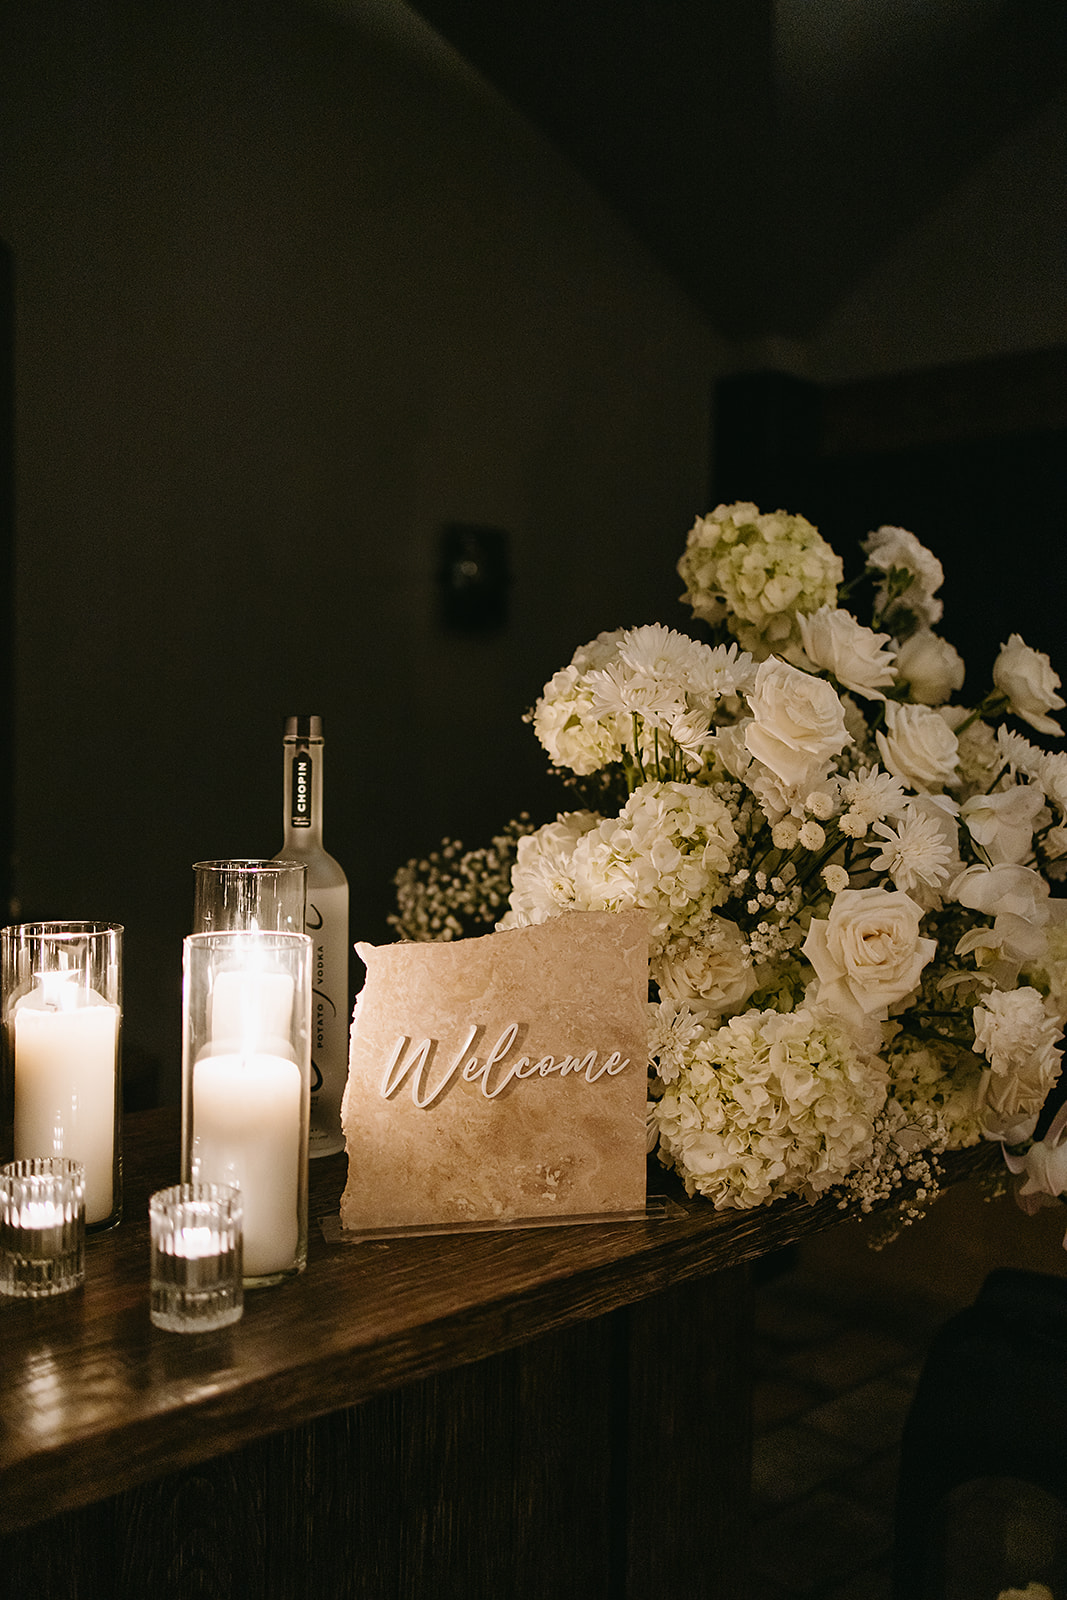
pixel 326 921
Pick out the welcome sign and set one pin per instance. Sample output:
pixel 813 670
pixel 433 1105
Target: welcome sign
pixel 500 1078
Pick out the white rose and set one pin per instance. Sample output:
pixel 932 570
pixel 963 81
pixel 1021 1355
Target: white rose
pixel 856 656
pixel 1003 822
pixel 714 968
pixel 798 721
pixel 868 953
pixel 931 667
pixel 918 746
pixel 1027 680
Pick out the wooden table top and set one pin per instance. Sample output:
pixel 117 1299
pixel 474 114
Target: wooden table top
pixel 95 1400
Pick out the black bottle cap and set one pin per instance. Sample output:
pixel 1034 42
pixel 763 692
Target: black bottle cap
pixel 303 727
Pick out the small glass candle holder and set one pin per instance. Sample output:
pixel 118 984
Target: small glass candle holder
pixel 196 1261
pixel 246 1081
pixel 230 896
pixel 42 1227
pixel 61 987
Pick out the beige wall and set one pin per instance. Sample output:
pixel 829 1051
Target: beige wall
pixel 293 291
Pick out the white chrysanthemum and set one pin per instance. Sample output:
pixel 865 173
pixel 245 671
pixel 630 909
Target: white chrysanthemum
pixel 757 572
pixel 916 854
pixel 674 1030
pixel 720 673
pixel 872 795
pixel 542 879
pixel 768 1105
pixel 619 692
pixel 667 851
pixel 912 575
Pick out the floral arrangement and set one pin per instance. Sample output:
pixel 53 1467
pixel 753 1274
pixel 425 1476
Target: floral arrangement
pixel 856 959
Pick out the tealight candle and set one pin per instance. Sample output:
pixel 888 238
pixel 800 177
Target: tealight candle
pixel 196 1272
pixel 42 1227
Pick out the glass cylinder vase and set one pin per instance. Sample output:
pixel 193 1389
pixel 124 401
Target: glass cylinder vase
pixel 249 894
pixel 246 1079
pixel 61 988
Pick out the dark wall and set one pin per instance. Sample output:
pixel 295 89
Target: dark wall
pixel 293 293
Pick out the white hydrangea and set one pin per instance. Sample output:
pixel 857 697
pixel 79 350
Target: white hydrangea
pixel 769 1104
pixel 756 571
pixel 668 851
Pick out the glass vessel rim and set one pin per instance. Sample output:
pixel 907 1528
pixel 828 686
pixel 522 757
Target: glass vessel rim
pixel 250 864
pixel 59 928
pixel 221 938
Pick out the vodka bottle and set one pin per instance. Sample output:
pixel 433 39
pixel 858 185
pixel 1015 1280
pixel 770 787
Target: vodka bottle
pixel 326 921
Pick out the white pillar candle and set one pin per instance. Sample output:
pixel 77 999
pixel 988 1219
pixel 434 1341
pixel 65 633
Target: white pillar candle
pixel 251 1010
pixel 246 1131
pixel 65 1090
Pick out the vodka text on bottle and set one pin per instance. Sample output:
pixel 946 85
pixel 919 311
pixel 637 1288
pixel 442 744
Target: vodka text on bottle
pixel 326 922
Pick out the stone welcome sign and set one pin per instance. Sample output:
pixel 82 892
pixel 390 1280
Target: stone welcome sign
pixel 499 1078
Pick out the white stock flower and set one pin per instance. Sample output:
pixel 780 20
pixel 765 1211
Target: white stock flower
pixel 1003 823
pixel 1018 1039
pixel 856 656
pixel 898 553
pixel 542 879
pixel 868 954
pixel 918 746
pixel 798 722
pixel 932 668
pixel 1025 677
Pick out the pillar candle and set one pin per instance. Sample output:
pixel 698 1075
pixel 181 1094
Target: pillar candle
pixel 65 1089
pixel 252 1010
pixel 246 1131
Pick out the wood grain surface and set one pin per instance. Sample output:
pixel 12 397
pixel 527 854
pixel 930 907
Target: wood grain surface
pixel 410 1399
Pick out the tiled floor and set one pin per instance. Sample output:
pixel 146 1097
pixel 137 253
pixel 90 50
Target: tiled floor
pixel 834 1377
pixel 842 1333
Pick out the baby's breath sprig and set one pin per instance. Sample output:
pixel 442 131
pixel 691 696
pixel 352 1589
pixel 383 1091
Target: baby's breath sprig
pixel 453 893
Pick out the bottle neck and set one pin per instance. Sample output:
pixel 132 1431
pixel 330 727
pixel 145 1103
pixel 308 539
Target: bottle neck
pixel 303 793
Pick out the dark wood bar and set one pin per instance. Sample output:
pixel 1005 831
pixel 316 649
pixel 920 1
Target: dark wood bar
pixel 535 1412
